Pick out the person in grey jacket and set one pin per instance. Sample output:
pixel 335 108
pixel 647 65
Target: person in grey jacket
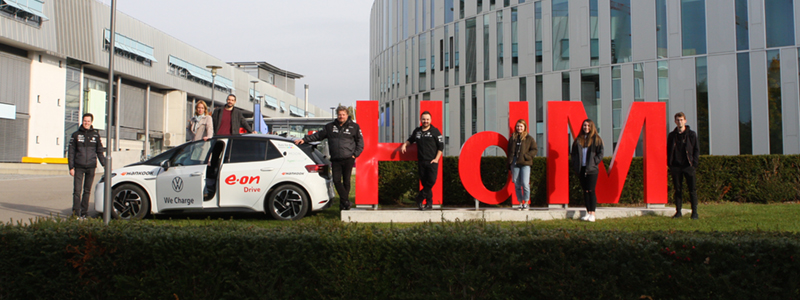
pixel 228 119
pixel 200 125
pixel 345 143
pixel 85 149
pixel 587 154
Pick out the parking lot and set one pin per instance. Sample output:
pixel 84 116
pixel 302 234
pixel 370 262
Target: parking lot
pixel 26 197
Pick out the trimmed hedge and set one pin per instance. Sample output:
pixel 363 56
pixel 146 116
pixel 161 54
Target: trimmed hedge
pixel 744 178
pixel 333 260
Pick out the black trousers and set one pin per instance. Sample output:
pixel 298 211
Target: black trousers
pixel 588 184
pixel 427 176
pixel 678 174
pixel 342 169
pixel 81 188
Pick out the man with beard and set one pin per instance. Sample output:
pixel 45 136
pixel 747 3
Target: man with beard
pixel 228 119
pixel 430 144
pixel 345 143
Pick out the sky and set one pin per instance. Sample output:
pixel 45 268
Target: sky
pixel 326 41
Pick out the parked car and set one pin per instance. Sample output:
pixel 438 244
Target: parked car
pixel 251 172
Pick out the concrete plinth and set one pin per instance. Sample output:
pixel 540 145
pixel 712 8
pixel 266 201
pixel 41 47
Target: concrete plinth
pixel 410 215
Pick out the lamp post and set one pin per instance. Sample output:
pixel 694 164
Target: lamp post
pixel 332 116
pixel 214 69
pixel 254 88
pixel 108 166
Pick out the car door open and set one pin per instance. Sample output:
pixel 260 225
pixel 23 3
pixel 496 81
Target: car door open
pixel 180 185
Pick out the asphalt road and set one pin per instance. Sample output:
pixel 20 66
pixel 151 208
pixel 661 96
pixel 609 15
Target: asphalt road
pixel 27 197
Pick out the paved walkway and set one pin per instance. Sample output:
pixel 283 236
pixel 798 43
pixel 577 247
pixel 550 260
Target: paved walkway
pixel 27 197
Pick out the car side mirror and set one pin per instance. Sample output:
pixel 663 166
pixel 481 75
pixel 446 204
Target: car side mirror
pixel 165 165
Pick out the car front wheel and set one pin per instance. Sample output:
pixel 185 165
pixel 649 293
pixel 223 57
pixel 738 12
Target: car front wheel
pixel 287 202
pixel 130 202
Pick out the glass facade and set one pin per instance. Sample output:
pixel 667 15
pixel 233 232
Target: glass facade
pixel 540 31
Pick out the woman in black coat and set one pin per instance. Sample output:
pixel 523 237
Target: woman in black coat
pixel 587 154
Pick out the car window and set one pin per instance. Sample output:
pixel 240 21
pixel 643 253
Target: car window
pixel 245 150
pixel 272 152
pixel 192 154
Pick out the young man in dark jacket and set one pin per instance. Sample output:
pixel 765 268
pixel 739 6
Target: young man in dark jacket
pixel 85 149
pixel 683 154
pixel 228 119
pixel 345 143
pixel 430 144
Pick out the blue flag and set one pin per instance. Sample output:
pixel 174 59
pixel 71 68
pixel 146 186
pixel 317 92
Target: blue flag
pixel 258 120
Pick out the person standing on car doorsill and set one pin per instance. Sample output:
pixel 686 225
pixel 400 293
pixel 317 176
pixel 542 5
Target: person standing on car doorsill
pixel 683 155
pixel 229 118
pixel 429 150
pixel 345 143
pixel 85 149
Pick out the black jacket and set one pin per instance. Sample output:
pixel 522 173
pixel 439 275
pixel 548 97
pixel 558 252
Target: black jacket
pixel 594 157
pixel 344 140
pixel 237 120
pixel 85 148
pixel 692 147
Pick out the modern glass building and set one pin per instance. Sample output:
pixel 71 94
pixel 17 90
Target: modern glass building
pixel 730 65
pixel 54 67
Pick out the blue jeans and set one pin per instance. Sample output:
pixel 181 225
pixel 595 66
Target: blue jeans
pixel 521 176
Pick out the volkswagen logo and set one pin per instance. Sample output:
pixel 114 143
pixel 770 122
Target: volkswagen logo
pixel 177 184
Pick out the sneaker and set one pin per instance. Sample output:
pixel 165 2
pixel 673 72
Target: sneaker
pixel 694 216
pixel 525 207
pixel 591 218
pixel 585 217
pixel 677 215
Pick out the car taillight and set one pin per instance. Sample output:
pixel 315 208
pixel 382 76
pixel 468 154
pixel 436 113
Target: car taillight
pixel 316 168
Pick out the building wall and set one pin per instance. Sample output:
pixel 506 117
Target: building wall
pixel 637 78
pixel 46 97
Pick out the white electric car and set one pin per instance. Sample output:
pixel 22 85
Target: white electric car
pixel 251 172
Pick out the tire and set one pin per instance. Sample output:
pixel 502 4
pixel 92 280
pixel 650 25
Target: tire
pixel 287 202
pixel 129 202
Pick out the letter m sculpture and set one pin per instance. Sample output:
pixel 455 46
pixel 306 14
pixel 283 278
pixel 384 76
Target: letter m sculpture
pixel 650 115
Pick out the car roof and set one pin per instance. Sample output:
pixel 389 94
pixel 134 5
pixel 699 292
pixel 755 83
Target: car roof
pixel 256 135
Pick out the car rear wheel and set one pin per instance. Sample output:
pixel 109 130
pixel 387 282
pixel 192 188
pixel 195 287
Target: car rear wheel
pixel 287 202
pixel 130 202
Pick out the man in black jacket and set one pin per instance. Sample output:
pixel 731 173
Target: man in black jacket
pixel 683 154
pixel 228 119
pixel 85 149
pixel 430 144
pixel 345 143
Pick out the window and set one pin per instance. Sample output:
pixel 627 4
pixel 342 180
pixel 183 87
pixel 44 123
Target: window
pixel 779 19
pixel 560 15
pixel 594 35
pixel 184 69
pixel 590 94
pixel 538 34
pixel 616 102
pixel 193 154
pixel 663 87
pixel 621 31
pixel 474 96
pixel 500 44
pixel 448 11
pixel 486 47
pixel 471 59
pixel 514 43
pixel 701 64
pixel 129 48
pixel 693 26
pixel 29 13
pixel 661 29
pixel 742 26
pixel 745 124
pixel 247 150
pixel 774 102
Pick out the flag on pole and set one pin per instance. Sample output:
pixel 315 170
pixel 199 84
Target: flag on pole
pixel 259 126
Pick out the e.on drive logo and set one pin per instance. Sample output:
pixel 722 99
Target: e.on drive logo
pixel 231 180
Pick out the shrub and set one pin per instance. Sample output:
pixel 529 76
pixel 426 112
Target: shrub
pixel 744 178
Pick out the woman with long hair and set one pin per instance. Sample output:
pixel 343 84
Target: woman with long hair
pixel 522 149
pixel 587 154
pixel 200 125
